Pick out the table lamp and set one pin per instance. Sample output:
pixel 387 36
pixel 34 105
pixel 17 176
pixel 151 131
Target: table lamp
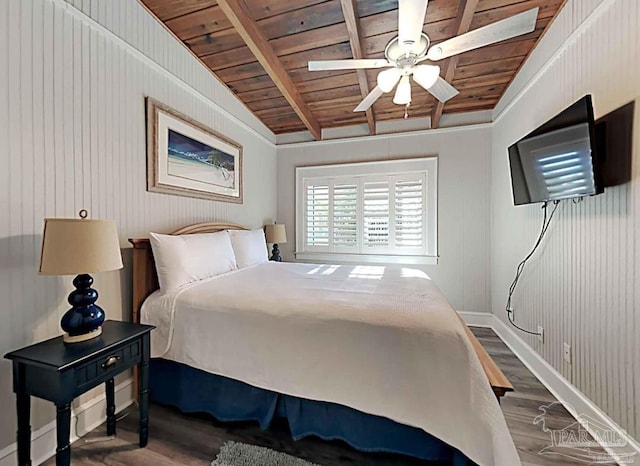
pixel 276 234
pixel 79 247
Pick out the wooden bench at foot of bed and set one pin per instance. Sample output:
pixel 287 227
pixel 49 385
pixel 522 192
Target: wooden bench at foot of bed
pixel 498 381
pixel 145 282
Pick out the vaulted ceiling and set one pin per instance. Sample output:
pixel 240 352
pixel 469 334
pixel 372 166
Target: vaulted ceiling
pixel 260 50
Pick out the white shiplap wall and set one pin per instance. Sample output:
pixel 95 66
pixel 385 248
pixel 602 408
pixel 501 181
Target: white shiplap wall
pixel 462 272
pixel 583 286
pixel 72 126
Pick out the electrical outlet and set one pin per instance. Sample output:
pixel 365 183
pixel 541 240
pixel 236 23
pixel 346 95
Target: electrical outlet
pixel 567 353
pixel 540 334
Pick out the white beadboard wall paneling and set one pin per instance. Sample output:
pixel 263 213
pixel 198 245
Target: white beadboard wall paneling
pixel 582 286
pixel 296 143
pixel 390 127
pixel 133 24
pixel 590 416
pixel 72 122
pixel 5 193
pixel 462 271
pixel 547 49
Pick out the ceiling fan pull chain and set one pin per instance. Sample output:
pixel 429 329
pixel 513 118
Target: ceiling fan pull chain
pixel 406 111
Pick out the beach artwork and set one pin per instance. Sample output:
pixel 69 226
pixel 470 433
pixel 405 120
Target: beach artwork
pixel 194 160
pixel 186 158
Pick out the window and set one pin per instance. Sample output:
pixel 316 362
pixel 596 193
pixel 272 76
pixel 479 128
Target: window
pixel 368 212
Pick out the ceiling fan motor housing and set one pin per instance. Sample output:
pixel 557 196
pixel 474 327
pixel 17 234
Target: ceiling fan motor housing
pixel 399 55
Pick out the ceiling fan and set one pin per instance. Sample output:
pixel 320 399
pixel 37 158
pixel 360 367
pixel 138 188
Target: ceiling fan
pixel 404 53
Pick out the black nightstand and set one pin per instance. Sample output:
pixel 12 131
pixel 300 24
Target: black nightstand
pixel 59 372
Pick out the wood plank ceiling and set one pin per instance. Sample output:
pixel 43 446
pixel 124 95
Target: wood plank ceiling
pixel 260 50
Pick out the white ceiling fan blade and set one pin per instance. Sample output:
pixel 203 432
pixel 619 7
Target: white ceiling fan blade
pixel 325 65
pixel 517 25
pixel 442 90
pixel 369 100
pixel 411 15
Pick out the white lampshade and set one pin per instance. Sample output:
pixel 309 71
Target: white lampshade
pixel 403 92
pixel 79 246
pixel 426 75
pixel 276 233
pixel 387 79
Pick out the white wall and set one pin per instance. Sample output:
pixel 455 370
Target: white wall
pixel 582 286
pixel 72 126
pixel 463 199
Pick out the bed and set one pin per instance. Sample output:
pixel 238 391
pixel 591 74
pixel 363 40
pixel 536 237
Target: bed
pixel 371 355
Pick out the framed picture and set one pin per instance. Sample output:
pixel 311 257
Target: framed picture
pixel 187 158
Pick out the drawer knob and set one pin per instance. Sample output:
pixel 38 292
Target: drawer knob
pixel 111 360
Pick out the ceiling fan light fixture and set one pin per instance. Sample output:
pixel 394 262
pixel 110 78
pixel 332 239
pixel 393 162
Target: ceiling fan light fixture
pixel 387 79
pixel 403 92
pixel 426 75
pixel 404 53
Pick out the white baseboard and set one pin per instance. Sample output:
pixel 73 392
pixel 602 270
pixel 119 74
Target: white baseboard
pixel 575 401
pixel 477 319
pixel 85 418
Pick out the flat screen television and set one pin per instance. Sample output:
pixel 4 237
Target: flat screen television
pixel 558 160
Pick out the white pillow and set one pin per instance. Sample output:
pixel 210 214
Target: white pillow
pixel 249 247
pixel 184 259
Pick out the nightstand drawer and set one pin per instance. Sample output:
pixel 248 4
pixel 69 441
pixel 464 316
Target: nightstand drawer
pixel 108 364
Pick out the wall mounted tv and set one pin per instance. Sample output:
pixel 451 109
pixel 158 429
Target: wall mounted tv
pixel 558 160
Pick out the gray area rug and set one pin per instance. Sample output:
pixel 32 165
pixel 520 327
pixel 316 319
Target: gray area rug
pixel 242 454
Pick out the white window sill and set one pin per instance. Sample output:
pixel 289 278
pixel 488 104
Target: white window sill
pixel 366 258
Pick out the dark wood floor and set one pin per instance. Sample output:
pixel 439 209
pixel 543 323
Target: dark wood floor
pixel 178 439
pixel 522 406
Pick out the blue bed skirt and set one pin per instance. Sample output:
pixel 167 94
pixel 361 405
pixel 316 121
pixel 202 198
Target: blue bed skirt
pixel 192 390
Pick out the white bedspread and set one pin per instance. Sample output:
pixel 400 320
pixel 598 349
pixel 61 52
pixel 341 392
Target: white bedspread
pixel 379 339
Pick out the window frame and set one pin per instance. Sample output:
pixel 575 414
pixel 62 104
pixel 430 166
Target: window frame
pixel 385 169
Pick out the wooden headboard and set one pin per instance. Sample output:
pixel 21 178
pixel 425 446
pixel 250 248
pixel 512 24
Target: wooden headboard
pixel 145 278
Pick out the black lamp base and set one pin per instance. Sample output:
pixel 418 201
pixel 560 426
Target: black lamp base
pixel 83 321
pixel 275 254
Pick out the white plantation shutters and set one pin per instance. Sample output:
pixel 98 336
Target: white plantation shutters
pixel 394 214
pixel 410 212
pixel 347 211
pixel 317 223
pixel 375 208
pixel 345 214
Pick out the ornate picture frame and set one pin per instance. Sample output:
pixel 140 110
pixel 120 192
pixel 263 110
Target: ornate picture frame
pixel 187 158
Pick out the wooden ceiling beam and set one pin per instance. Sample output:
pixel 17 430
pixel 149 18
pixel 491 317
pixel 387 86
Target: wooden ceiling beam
pixel 240 17
pixel 303 30
pixel 352 20
pixel 466 10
